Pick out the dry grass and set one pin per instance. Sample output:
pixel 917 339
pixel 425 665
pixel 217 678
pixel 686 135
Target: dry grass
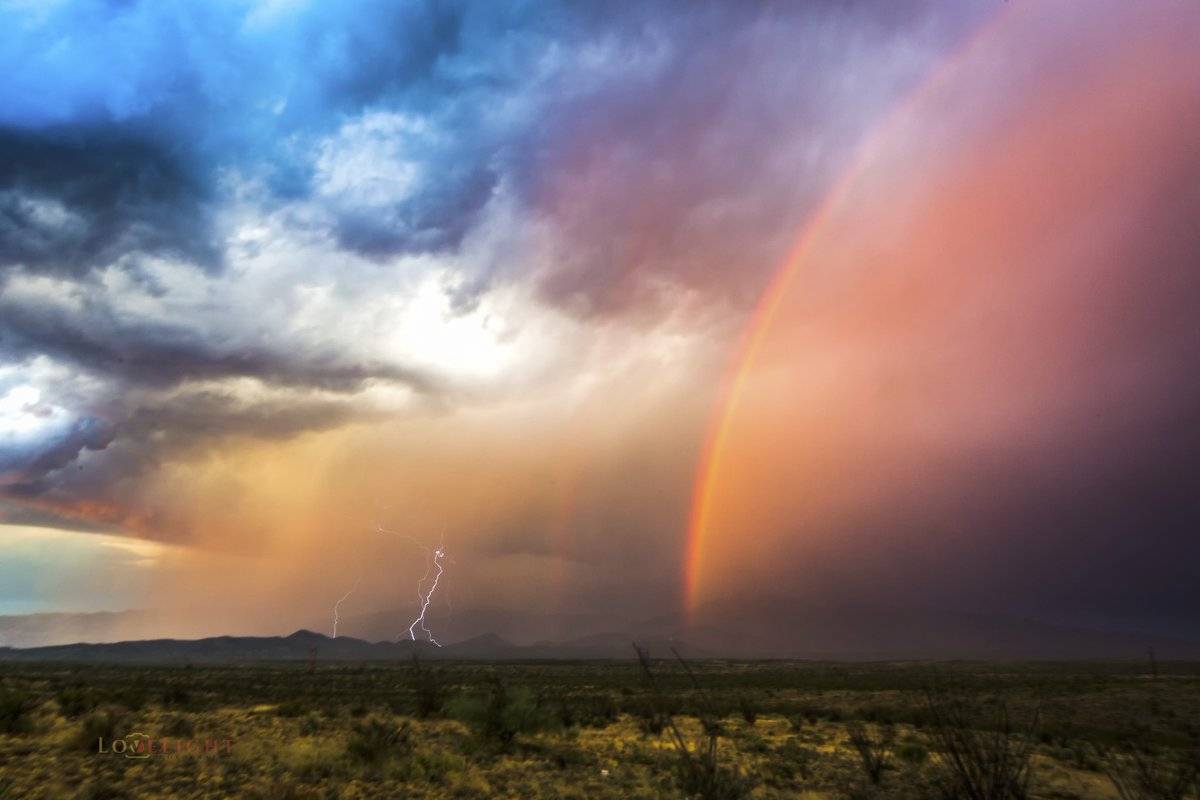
pixel 355 731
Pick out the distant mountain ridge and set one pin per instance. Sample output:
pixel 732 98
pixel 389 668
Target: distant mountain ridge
pixel 770 627
pixel 305 645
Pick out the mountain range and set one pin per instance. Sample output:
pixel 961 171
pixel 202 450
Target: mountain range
pixel 771 628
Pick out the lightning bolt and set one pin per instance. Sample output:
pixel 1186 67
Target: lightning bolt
pixel 338 605
pixel 427 598
pixel 433 560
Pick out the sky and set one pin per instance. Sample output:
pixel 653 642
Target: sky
pixel 635 309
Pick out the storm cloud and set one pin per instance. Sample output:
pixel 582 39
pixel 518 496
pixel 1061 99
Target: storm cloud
pixel 273 272
pixel 178 180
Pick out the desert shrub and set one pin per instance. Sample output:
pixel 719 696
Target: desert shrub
pixel 912 752
pixel 806 712
pixel 311 724
pixel 311 760
pixel 375 740
pixel 874 712
pixel 466 707
pixel 102 723
pixel 803 759
pixel 983 755
pixel 698 770
pixel 1078 755
pixel 175 695
pixel 651 721
pixel 495 723
pixel 501 714
pixel 74 701
pixel 599 712
pixel 427 689
pixel 128 698
pixel 874 749
pixel 707 779
pixel 1155 773
pixel 748 710
pixel 178 726
pixel 515 712
pixel 14 712
pixel 428 766
pixel 566 712
pixel 789 761
pixel 291 708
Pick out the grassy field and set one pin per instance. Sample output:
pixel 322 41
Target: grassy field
pixel 600 730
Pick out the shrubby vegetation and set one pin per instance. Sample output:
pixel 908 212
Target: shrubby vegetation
pixel 14 712
pixel 646 728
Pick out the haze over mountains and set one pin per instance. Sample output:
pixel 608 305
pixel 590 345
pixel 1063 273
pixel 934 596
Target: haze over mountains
pixel 834 632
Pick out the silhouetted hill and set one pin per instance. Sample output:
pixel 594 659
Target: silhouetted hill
pixel 299 646
pixel 304 645
pixel 767 628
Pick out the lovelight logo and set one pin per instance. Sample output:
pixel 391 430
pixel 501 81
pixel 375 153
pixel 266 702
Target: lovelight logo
pixel 143 745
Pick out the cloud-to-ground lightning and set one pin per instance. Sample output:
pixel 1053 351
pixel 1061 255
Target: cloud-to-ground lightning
pixel 434 561
pixel 427 598
pixel 338 605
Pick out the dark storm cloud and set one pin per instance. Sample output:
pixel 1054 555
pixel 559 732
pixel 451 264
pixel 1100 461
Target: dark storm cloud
pixel 23 465
pixel 728 126
pixel 96 338
pixel 143 365
pixel 132 147
pixel 61 490
pixel 75 198
pixel 157 430
pixel 662 143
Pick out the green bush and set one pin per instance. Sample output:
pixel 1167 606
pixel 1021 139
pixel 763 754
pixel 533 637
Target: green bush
pixel 375 740
pixel 14 712
pixel 874 748
pixel 599 712
pixel 984 754
pixel 103 723
pixel 311 724
pixel 697 768
pixel 292 708
pixel 175 695
pixel 651 720
pixel 566 712
pixel 748 710
pixel 75 701
pixel 796 759
pixel 427 689
pixel 502 714
pixel 1152 773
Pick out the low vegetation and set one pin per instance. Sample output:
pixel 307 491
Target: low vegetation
pixel 645 728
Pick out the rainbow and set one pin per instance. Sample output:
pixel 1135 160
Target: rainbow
pixel 741 365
